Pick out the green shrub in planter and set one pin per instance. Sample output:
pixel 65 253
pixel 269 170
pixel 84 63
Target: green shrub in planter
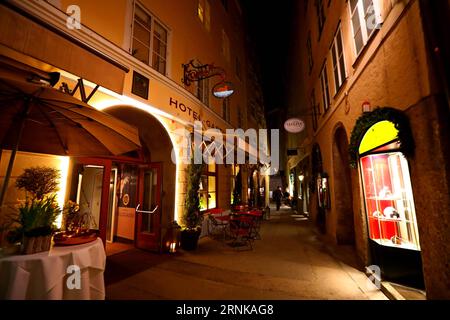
pixel 36 219
pixel 192 217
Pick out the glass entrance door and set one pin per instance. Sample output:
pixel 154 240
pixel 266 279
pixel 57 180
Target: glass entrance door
pixel 89 194
pixel 148 210
pixel 112 205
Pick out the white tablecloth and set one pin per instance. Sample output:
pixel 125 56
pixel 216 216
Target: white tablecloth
pixel 45 276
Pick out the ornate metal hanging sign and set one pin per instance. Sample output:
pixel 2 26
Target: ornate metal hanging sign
pixel 197 72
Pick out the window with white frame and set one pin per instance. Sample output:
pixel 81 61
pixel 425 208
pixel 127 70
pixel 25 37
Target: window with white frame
pixel 204 13
pixel 149 40
pixel 337 53
pixel 365 20
pixel 325 88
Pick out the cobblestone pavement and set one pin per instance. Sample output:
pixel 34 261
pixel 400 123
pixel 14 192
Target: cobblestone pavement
pixel 289 262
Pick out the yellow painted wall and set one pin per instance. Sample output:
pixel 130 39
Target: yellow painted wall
pixel 188 38
pixel 23 161
pixel 105 17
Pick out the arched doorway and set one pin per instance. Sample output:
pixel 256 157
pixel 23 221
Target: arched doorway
pixel 156 140
pixel 317 170
pixel 136 197
pixel 345 229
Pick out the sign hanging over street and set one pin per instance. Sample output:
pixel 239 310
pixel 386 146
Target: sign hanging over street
pixel 294 125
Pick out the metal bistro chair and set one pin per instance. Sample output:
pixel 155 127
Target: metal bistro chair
pixel 218 222
pixel 241 232
pixel 257 219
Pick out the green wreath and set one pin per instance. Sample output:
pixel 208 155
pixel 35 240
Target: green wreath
pixel 367 120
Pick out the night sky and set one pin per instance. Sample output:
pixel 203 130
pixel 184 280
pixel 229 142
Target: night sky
pixel 269 26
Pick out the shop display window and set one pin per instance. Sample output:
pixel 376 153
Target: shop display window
pixel 207 188
pixel 389 200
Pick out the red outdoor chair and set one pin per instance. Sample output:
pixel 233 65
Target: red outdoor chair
pixel 241 228
pixel 257 219
pixel 218 224
pixel 216 211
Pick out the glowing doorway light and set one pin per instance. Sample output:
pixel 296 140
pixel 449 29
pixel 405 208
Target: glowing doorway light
pixel 61 194
pixel 160 116
pixel 120 100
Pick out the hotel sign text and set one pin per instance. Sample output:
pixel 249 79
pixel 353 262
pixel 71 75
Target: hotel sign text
pixel 192 114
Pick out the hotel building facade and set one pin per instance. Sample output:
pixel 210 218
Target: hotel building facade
pixel 133 57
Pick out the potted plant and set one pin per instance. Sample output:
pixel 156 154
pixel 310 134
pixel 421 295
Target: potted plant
pixel 75 221
pixel 34 224
pixel 192 217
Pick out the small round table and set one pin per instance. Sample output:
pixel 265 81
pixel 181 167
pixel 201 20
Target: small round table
pixel 63 273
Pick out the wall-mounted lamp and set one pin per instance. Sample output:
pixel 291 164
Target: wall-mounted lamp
pixel 301 178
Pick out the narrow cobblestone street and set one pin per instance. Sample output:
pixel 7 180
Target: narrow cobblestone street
pixel 289 262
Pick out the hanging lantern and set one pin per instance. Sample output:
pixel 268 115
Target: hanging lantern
pixel 172 238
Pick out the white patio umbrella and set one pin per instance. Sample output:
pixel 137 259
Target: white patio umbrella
pixel 41 119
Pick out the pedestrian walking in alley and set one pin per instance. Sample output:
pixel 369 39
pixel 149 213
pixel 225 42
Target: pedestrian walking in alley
pixel 277 196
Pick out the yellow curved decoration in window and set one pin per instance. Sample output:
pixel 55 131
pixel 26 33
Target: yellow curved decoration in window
pixel 379 134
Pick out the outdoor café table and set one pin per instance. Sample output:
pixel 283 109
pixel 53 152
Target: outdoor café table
pixel 44 275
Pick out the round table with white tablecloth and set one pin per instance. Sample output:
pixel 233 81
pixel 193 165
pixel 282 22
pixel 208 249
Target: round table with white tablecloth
pixel 63 273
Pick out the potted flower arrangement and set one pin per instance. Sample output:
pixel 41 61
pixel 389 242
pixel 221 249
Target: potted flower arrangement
pixel 34 224
pixel 72 217
pixel 192 217
pixel 75 222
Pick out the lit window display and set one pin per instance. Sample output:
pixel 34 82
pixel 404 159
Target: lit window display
pixel 388 194
pixel 207 189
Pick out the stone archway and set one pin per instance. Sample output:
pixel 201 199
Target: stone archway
pixel 345 229
pixel 157 147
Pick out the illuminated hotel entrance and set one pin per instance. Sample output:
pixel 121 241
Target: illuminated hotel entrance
pixel 130 198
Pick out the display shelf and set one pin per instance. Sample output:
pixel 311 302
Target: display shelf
pixel 384 199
